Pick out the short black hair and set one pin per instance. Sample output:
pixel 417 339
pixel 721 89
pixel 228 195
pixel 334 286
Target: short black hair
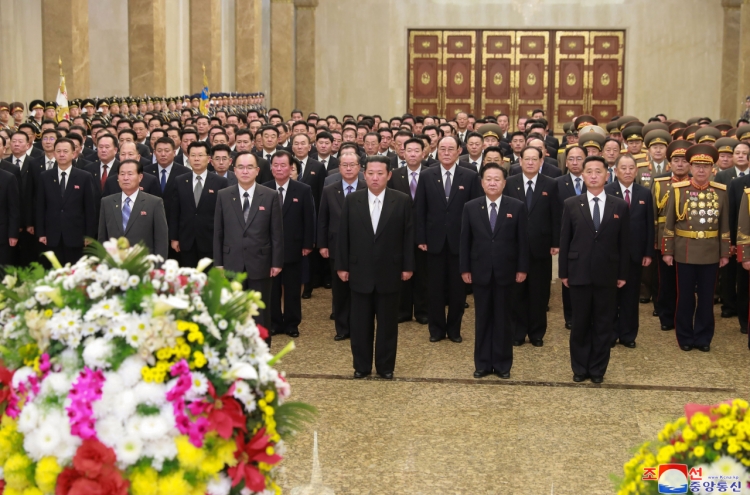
pixel 165 140
pixel 526 148
pixel 188 130
pixel 324 135
pixel 576 147
pixel 487 166
pixel 379 159
pixel 268 128
pixel 490 149
pixel 66 140
pixel 220 147
pixel 19 132
pixel 199 144
pixel 599 159
pixel 417 141
pixel 130 132
pixel 518 133
pixel 244 153
pixel 285 153
pixel 138 165
pixel 472 134
pixel 115 142
pixel 377 136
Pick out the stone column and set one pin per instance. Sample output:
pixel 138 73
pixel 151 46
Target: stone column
pixel 305 55
pixel 205 44
pixel 65 36
pixel 147 47
pixel 743 75
pixel 282 56
pixel 729 104
pixel 248 49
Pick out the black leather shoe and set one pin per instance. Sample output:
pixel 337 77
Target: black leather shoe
pixel 327 285
pixel 457 340
pixel 686 348
pixel 422 320
pixel 743 331
pixel 505 375
pixel 655 313
pixel 728 313
pixel 629 345
pixel 717 300
pixel 360 374
pixel 569 325
pixel 306 295
pixel 386 376
pixel 644 300
pixel 403 319
pixel 579 378
pixel 597 379
pixel 293 333
pixel 275 331
pixel 703 348
pixel 481 373
pixel 667 327
pixel 339 338
pixel 436 339
pixel 518 343
pixel 332 317
pixel 466 305
pixel 537 343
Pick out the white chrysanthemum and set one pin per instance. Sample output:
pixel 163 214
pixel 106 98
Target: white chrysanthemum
pixel 96 353
pixel 28 421
pixel 46 438
pixel 154 426
pixel 126 404
pixel 199 386
pixel 22 375
pixel 128 450
pixel 133 281
pixel 153 394
pixel 130 371
pixel 223 324
pixel 159 451
pixel 56 384
pixel 220 485
pixel 95 290
pixel 133 426
pixel 109 430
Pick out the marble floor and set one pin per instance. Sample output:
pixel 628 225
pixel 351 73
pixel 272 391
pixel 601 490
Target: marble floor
pixel 436 430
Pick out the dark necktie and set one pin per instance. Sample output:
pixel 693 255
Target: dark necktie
pixel 324 164
pixel 596 214
pixel 163 180
pixel 474 164
pixel 246 205
pixel 18 163
pixel 281 195
pixel 493 216
pixel 403 163
pixel 349 190
pixel 62 184
pixel 578 186
pixel 742 174
pixel 529 194
pixel 447 185
pixel 104 175
pixel 627 197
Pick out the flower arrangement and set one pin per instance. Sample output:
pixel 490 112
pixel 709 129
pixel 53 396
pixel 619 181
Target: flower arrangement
pixel 714 443
pixel 118 377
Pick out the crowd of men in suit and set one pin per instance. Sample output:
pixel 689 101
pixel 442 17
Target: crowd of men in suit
pixel 402 218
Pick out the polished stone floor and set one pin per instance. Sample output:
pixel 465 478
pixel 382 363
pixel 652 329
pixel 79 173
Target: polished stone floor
pixel 436 430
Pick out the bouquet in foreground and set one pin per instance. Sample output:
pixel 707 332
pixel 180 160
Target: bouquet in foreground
pixel 119 377
pixel 705 451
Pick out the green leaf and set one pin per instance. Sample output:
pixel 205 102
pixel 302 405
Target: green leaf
pixel 147 410
pixel 293 417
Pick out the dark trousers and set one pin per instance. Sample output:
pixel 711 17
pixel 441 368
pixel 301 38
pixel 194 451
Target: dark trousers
pixel 290 318
pixel 365 309
pixel 728 285
pixel 263 286
pixel 316 265
pixel 414 291
pixel 531 300
pixel 694 318
pixel 626 321
pixel 493 347
pixel 67 254
pixel 648 273
pixel 593 329
pixel 667 301
pixel 743 292
pixel 567 306
pixel 27 249
pixel 444 278
pixel 341 295
pixel 191 257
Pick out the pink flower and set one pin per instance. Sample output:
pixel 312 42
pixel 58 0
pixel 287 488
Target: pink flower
pixel 86 389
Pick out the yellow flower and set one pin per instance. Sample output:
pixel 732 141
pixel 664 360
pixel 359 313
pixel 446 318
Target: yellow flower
pixel 225 449
pixel 174 484
pixel 270 396
pixel 742 404
pixel 680 447
pixel 47 471
pixel 211 465
pixel 199 359
pixel 699 451
pixel 32 490
pixel 189 455
pixel 665 454
pixel 688 434
pixel 199 489
pixel 48 313
pixel 15 471
pixel 147 374
pixel 195 336
pixel 164 353
pixel 144 482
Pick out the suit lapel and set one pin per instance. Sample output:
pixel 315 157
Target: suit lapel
pixel 537 192
pixel 502 214
pixel 389 201
pixel 287 199
pixel 486 216
pixel 455 183
pixel 609 207
pixel 364 209
pixel 118 210
pixel 237 205
pixel 339 188
pixel 586 212
pixel 254 207
pixel 140 202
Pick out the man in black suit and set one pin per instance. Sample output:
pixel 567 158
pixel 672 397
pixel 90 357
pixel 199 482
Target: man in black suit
pixel 191 224
pixel 594 261
pixel 243 142
pixel 221 161
pixel 108 164
pixel 539 193
pixel 569 185
pixel 375 253
pixel 442 192
pixel 413 291
pixel 248 232
pixel 641 250
pixel 298 211
pixel 328 229
pixel 10 217
pixel 323 143
pixel 494 256
pixel 549 165
pixel 28 245
pixel 735 191
pixel 66 206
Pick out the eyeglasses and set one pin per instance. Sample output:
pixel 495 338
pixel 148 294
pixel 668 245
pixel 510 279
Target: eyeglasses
pixel 348 165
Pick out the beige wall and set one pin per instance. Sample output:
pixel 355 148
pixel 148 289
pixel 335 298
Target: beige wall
pixel 362 47
pixel 20 38
pixel 108 48
pixel 178 47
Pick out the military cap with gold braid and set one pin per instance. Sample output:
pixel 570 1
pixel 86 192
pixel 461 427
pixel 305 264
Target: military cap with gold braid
pixel 612 128
pixel 743 132
pixel 50 105
pixel 623 121
pixel 690 131
pixel 490 130
pixel 702 153
pixel 15 106
pixel 591 138
pixel 633 132
pixel 678 147
pixel 707 134
pixel 657 136
pixel 593 128
pixel 731 133
pixel 584 120
pixel 693 120
pixel 676 126
pixel 726 144
pixel 4 106
pixel 36 104
pixel 654 125
pixel 74 103
pixel 723 125
pixel 568 128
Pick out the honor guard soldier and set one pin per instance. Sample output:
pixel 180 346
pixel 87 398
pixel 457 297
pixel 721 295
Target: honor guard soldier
pixel 592 142
pixel 4 115
pixel 16 111
pixel 664 303
pixel 657 141
pixel 614 131
pixel 697 240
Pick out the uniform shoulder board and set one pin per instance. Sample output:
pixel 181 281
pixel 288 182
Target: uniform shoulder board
pixel 681 184
pixel 643 164
pixel 640 155
pixel 663 178
pixel 506 159
pixel 747 190
pixel 718 185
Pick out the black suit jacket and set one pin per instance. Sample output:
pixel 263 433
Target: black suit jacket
pixel 548 168
pixel 594 258
pixel 10 207
pixel 25 179
pixel 176 171
pixel 376 259
pixel 332 163
pixel 501 252
pixel 551 142
pixel 544 214
pixel 314 176
pixel 735 191
pixel 298 214
pixel 149 185
pixel 641 219
pixel 89 154
pixel 329 218
pixel 438 220
pixel 190 224
pixel 566 188
pixel 66 220
pixel 95 170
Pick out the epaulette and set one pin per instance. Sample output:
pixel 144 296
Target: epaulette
pixel 506 159
pixel 640 155
pixel 663 178
pixel 718 185
pixel 643 164
pixel 747 190
pixel 681 184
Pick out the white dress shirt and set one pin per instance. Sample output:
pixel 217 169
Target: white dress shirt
pixel 418 171
pixel 109 167
pixel 452 170
pixel 49 162
pixel 738 171
pixel 497 205
pixel 167 168
pixel 526 182
pixel 250 191
pixel 602 198
pixel 629 189
pixel 302 165
pixel 285 185
pixel 478 162
pixel 67 175
pixel 371 199
pixel 132 198
pixel 15 160
pixel 203 178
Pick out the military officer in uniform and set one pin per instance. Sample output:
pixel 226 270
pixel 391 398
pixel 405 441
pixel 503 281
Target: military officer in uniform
pixel 743 234
pixel 696 239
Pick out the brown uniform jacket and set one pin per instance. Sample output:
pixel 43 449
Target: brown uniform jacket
pixel 743 228
pixel 696 230
pixel 661 188
pixel 645 172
